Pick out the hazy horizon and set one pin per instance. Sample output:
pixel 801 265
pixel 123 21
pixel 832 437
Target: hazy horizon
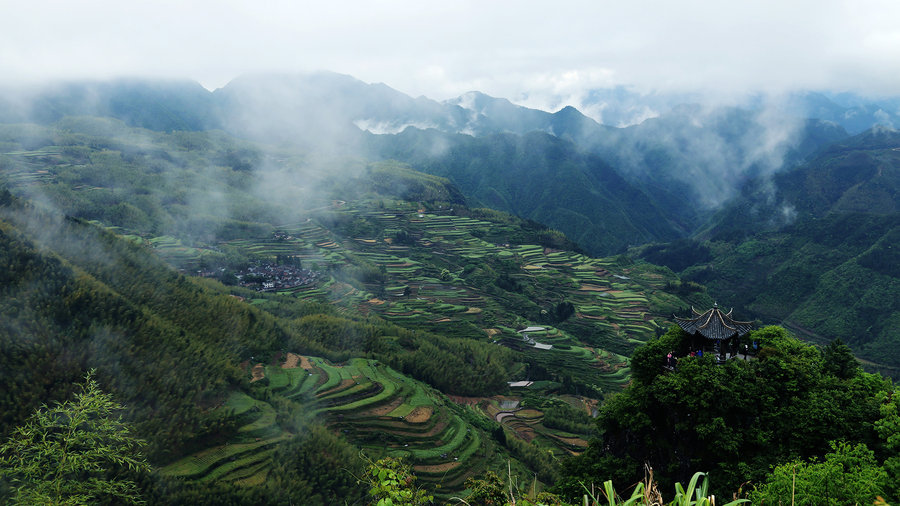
pixel 525 52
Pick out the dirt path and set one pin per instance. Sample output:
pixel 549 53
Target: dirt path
pixel 291 362
pixel 420 414
pixel 343 385
pixel 258 372
pixel 385 409
pixel 437 468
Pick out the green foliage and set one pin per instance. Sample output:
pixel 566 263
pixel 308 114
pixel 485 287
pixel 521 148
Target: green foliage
pixel 391 483
pixel 888 427
pixel 561 415
pixel 735 419
pixel 457 366
pixel 814 247
pixel 317 467
pixel 832 277
pixel 487 489
pixel 74 453
pixel 395 179
pixel 645 493
pixel 848 475
pixel 538 459
pixel 171 345
pixel 563 311
pixel 677 255
pixel 838 360
pixel 697 493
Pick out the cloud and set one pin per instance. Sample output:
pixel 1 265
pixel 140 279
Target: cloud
pixel 389 127
pixel 444 49
pixel 882 118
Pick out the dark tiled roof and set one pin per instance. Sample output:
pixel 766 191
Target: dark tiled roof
pixel 714 324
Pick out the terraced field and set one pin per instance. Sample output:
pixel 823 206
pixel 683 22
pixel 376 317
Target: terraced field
pixel 380 410
pixel 430 282
pixel 174 251
pixel 438 273
pixel 37 167
pixel 247 457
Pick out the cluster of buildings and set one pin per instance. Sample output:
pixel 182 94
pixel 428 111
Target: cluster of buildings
pixel 267 276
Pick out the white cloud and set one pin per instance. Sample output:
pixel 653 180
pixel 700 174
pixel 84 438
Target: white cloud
pixel 508 49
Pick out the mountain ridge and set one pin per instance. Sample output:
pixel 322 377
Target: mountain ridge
pixel 662 155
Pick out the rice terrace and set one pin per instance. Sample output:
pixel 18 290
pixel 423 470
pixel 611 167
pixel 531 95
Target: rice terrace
pixel 375 407
pixel 445 270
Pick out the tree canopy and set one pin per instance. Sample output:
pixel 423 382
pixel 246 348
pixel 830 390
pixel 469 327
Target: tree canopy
pixel 733 420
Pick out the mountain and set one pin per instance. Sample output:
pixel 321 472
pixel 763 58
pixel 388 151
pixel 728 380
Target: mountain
pixel 269 305
pixel 162 105
pixel 686 153
pixel 688 160
pixel 813 247
pixel 854 113
pixel 855 175
pixel 539 177
pixel 322 108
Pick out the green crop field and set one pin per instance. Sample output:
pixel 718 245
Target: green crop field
pixel 444 277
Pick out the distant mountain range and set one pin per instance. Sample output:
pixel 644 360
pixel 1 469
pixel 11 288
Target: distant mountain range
pixel 683 160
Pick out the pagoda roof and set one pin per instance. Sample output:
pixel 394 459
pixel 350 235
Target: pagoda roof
pixel 714 324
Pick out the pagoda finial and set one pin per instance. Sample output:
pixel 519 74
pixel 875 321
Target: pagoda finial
pixel 715 305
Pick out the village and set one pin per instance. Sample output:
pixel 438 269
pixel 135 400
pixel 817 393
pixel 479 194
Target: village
pixel 266 276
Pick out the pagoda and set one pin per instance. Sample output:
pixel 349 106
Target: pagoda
pixel 714 330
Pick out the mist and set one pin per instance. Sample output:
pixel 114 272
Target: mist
pixel 268 148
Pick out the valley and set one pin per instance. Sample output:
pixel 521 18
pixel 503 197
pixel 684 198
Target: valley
pixel 274 313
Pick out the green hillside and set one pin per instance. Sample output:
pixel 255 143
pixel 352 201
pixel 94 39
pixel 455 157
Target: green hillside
pixel 175 350
pixel 813 250
pixel 540 177
pixel 409 314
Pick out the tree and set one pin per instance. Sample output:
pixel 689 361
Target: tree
pixel 838 360
pixel 888 427
pixel 848 475
pixel 74 453
pixel 733 419
pixel 563 311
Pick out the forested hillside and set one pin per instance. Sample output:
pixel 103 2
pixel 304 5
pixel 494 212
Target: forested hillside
pixel 605 187
pixel 175 352
pixel 388 291
pixel 812 248
pixel 540 177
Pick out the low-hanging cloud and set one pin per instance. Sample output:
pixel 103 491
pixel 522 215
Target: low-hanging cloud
pixel 709 149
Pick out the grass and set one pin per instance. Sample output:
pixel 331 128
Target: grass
pixel 262 424
pixel 240 403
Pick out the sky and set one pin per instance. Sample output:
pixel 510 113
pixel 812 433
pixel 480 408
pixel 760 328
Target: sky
pixel 538 53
